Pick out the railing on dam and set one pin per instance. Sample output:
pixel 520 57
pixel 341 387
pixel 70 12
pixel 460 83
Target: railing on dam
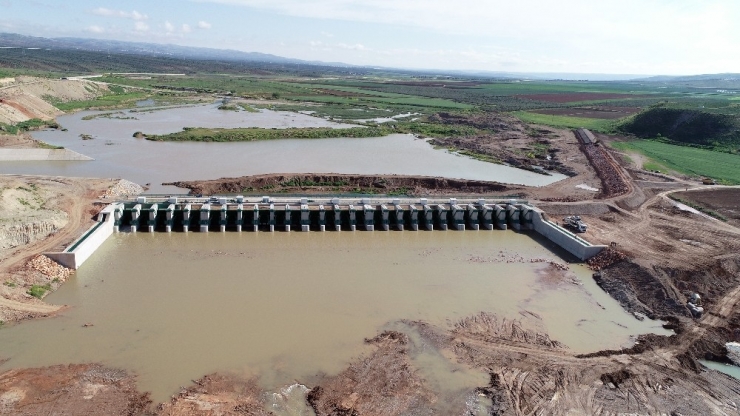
pixel 168 214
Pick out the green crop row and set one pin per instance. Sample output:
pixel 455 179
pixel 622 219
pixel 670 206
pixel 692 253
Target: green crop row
pixel 724 167
pixel 565 121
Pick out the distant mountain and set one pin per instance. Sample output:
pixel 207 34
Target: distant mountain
pixel 154 51
pixel 150 49
pixel 694 78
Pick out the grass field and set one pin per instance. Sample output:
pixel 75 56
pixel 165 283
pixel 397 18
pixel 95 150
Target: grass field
pixel 565 121
pixel 723 167
pixel 106 101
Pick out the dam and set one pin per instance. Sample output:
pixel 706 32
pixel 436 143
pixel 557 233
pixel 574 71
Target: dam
pixel 269 214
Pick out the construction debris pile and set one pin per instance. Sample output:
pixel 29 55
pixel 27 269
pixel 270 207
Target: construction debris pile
pixel 606 258
pixel 121 189
pixel 613 183
pixel 49 268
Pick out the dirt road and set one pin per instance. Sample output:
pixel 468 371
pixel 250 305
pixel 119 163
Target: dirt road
pixel 42 214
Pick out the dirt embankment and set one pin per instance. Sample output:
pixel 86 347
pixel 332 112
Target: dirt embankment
pixel 528 373
pixel 27 97
pixel 40 214
pixel 510 141
pixel 19 141
pixel 84 389
pixel 342 184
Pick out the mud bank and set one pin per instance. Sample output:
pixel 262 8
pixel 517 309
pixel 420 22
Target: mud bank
pixel 334 183
pixel 522 371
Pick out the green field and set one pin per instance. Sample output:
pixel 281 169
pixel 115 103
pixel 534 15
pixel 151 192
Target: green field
pixel 106 101
pixel 723 167
pixel 565 121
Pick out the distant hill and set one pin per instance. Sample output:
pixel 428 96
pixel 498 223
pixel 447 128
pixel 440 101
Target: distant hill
pixel 687 127
pixel 149 49
pixel 692 78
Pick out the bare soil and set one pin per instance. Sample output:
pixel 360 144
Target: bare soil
pixel 604 113
pixel 18 141
pixel 37 215
pixel 575 97
pixel 83 389
pixel 335 183
pixel 512 142
pixel 26 97
pixel 725 201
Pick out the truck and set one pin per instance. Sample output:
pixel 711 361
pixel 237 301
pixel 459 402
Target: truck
pixel 574 222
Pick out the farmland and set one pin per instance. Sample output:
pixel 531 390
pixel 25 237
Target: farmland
pixel 567 122
pixel 723 167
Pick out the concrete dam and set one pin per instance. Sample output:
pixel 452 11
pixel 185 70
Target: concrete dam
pixel 267 214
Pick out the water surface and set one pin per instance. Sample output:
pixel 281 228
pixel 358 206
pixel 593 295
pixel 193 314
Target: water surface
pixel 118 154
pixel 285 306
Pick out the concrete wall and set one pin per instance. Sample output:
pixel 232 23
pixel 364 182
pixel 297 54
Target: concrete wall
pixel 564 238
pixel 21 155
pixel 82 248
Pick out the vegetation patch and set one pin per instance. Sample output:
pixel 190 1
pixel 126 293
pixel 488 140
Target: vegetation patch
pixel 255 134
pixel 38 291
pixel 600 125
pixel 687 127
pixel 28 125
pixel 723 167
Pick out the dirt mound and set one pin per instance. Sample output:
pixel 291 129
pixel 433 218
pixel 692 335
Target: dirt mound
pixel 217 394
pixel 641 290
pixel 490 328
pixel 332 184
pixel 70 390
pixel 384 383
pixel 28 97
pixel 23 106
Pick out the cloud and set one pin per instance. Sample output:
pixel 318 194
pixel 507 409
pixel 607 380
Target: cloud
pixel 355 47
pixel 141 27
pixel 186 28
pixel 95 29
pixel 204 25
pixel 640 21
pixel 134 15
pixel 169 27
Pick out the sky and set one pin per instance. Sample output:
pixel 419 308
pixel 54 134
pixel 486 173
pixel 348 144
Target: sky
pixel 649 37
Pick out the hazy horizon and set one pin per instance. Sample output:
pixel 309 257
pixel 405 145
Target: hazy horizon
pixel 626 38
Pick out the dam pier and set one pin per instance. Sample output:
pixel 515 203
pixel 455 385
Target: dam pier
pixel 286 214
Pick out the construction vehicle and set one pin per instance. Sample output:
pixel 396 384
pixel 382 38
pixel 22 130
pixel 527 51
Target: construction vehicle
pixel 574 222
pixel 695 306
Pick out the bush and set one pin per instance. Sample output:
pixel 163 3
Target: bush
pixel 38 291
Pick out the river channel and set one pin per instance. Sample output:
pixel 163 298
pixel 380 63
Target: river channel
pixel 287 306
pixel 118 154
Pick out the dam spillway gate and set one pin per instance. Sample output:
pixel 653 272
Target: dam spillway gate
pixel 267 214
pixel 168 214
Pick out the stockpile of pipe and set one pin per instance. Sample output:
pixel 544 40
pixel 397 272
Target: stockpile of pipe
pixel 605 259
pixel 613 183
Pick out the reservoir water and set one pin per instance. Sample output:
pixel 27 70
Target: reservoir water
pixel 287 306
pixel 118 154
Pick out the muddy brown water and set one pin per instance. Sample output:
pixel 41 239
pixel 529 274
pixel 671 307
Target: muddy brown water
pixel 287 306
pixel 119 155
